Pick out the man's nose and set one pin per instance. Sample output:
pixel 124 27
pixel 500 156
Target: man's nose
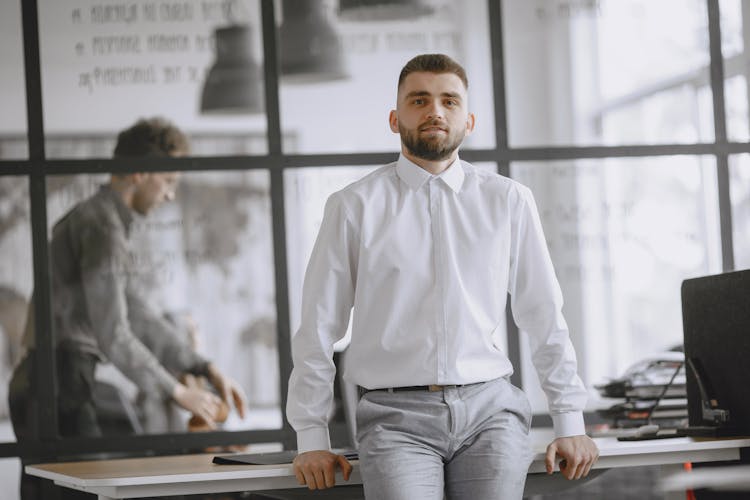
pixel 169 195
pixel 434 111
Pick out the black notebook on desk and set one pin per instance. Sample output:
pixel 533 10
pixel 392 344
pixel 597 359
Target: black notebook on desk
pixel 270 458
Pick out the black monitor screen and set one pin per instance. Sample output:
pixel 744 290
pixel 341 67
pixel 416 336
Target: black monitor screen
pixel 716 328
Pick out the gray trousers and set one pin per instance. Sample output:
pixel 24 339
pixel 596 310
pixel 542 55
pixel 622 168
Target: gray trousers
pixel 462 443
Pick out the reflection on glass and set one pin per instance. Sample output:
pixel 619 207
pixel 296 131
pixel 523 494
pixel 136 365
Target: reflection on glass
pixel 13 142
pixel 739 191
pixel 305 193
pixel 16 283
pixel 198 281
pixel 351 114
pixel 735 34
pixel 105 65
pixel 623 234
pixel 607 72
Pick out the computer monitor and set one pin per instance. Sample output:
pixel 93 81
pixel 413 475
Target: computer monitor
pixel 716 328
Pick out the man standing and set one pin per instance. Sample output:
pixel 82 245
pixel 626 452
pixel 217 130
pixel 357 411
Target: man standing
pixel 99 312
pixel 426 250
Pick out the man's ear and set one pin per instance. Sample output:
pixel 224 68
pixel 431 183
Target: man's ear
pixel 470 122
pixel 393 121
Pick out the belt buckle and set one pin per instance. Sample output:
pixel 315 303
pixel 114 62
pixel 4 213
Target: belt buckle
pixel 435 388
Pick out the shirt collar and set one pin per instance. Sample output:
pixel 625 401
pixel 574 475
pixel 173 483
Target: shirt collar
pixel 125 213
pixel 415 176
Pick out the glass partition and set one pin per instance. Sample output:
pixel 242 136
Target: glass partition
pixel 305 193
pixel 16 284
pixel 199 269
pixel 13 125
pixel 623 234
pixel 106 64
pixel 735 34
pixel 340 65
pixel 607 72
pixel 739 190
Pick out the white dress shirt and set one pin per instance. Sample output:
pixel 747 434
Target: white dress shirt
pixel 427 262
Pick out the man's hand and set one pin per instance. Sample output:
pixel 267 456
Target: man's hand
pixel 201 403
pixel 317 469
pixel 229 390
pixel 578 454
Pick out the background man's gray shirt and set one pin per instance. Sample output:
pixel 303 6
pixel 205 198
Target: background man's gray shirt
pixel 96 303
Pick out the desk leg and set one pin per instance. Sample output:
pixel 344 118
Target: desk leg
pixel 667 470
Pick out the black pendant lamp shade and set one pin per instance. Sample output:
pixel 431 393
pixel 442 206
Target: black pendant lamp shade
pixel 383 10
pixel 310 47
pixel 234 84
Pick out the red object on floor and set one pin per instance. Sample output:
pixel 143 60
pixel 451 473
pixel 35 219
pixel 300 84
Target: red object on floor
pixel 689 494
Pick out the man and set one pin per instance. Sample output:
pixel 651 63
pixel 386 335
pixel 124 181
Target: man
pixel 426 250
pixel 99 312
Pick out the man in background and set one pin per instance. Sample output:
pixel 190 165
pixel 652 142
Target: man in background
pixel 98 312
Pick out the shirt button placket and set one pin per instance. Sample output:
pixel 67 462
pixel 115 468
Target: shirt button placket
pixel 439 276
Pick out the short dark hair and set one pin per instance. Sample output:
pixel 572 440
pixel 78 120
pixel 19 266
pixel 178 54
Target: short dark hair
pixel 151 137
pixel 433 63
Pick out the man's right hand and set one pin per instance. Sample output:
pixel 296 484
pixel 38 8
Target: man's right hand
pixel 317 469
pixel 202 403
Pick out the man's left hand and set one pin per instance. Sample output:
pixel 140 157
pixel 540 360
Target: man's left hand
pixel 578 454
pixel 229 390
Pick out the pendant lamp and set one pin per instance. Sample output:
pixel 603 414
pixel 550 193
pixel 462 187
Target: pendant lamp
pixel 234 84
pixel 383 10
pixel 310 47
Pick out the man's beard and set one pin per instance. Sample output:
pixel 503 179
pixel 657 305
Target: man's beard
pixel 430 149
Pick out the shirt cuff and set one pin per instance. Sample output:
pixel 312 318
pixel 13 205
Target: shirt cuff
pixel 313 438
pixel 568 424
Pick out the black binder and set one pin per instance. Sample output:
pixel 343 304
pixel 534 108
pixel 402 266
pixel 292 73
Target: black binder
pixel 270 458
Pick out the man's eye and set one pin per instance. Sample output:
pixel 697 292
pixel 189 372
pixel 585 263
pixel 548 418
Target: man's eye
pixel 451 103
pixel 418 102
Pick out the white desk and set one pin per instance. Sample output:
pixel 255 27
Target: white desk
pixel 730 478
pixel 188 474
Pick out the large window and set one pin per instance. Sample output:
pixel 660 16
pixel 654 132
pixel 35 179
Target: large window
pixel 739 168
pixel 735 35
pixel 607 72
pixel 16 277
pixel 103 65
pixel 623 233
pixel 203 263
pixel 13 141
pixel 608 110
pixel 338 84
